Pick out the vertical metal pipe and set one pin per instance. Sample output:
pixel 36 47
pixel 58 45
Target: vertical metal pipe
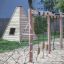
pixel 54 19
pixel 61 31
pixel 49 33
pixel 20 24
pixel 30 36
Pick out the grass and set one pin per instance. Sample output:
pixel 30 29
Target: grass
pixel 6 46
pixel 55 34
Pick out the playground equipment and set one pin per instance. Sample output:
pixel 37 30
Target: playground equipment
pixel 48 15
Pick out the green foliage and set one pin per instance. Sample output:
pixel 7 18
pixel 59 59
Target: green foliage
pixel 60 5
pixel 54 4
pixel 40 25
pixel 7 46
pixel 49 4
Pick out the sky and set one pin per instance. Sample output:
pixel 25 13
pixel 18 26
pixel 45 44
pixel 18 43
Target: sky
pixel 7 6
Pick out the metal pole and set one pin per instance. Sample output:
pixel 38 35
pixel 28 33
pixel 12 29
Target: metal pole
pixel 43 44
pixel 20 24
pixel 61 31
pixel 49 33
pixel 30 36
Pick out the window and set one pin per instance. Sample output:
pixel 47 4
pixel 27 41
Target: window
pixel 12 31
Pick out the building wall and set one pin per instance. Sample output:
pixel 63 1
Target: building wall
pixel 13 23
pixel 18 25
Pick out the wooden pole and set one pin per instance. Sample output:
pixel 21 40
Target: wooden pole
pixel 61 31
pixel 49 33
pixel 30 36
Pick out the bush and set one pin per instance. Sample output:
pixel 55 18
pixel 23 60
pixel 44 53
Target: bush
pixel 40 25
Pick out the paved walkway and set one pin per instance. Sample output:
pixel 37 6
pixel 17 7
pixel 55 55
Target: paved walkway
pixel 21 56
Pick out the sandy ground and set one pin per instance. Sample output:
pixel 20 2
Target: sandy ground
pixel 21 56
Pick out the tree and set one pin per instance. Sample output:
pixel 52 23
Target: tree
pixel 60 5
pixel 49 4
pixel 40 25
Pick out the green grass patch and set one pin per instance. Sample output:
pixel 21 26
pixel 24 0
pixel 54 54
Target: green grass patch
pixel 6 46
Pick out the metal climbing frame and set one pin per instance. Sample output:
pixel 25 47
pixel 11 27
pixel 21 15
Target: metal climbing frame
pixel 48 15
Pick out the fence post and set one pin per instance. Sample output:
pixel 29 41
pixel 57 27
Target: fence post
pixel 61 31
pixel 30 36
pixel 49 32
